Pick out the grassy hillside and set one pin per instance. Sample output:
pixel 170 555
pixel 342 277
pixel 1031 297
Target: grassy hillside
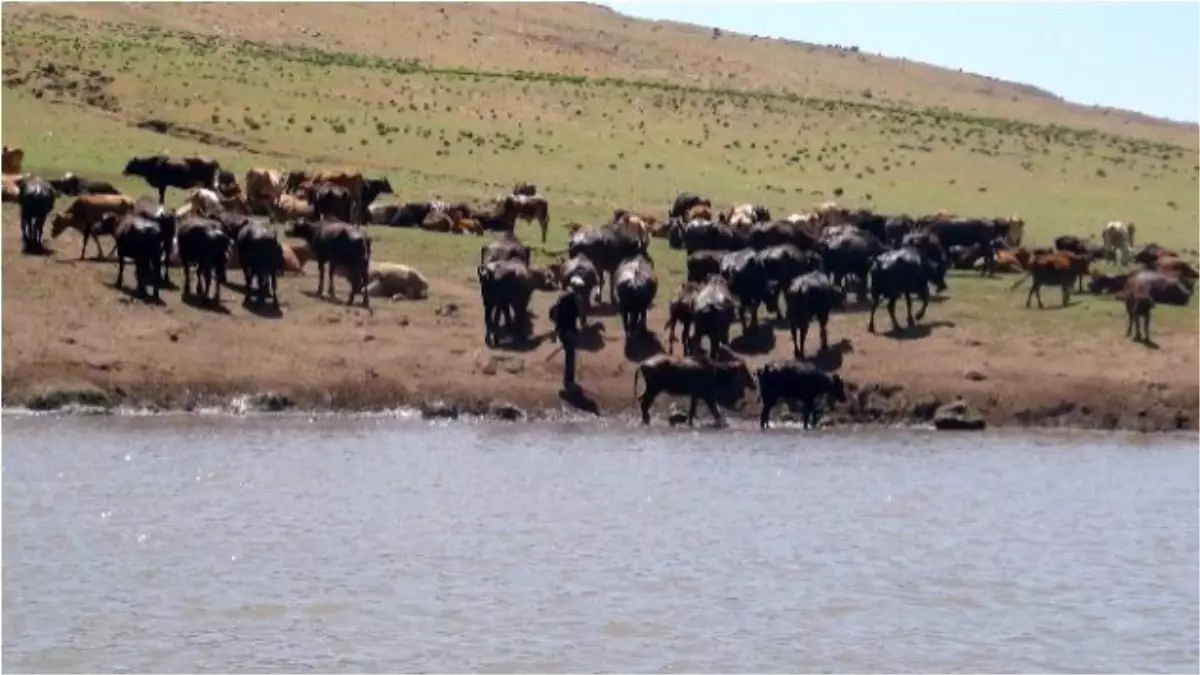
pixel 601 111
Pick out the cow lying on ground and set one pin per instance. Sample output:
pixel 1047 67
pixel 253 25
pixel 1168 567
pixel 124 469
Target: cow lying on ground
pixel 700 379
pixel 394 281
pixel 796 380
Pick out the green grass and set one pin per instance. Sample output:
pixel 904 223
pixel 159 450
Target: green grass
pixel 591 145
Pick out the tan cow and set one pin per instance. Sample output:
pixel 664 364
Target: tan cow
pixel 13 158
pixel 12 191
pixel 263 188
pixel 393 280
pixel 290 207
pixel 84 214
pixel 352 181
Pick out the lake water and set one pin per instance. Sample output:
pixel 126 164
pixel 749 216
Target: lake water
pixel 220 544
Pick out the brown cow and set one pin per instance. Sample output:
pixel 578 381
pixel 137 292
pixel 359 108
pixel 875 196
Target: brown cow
pixel 1060 268
pixel 352 181
pixel 527 208
pixel 14 157
pixel 85 215
pixel 1176 267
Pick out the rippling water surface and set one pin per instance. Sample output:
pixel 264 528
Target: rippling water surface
pixel 235 544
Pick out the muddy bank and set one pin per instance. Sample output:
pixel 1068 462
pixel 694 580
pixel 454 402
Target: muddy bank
pixel 870 403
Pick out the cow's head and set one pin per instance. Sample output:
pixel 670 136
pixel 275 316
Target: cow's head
pixel 140 166
pixel 59 224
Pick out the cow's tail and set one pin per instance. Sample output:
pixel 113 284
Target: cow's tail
pixel 1020 281
pixel 637 375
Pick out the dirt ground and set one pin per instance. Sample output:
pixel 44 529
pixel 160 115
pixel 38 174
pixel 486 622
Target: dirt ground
pixel 65 326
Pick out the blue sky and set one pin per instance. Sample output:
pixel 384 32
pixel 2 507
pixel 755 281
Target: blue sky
pixel 1142 56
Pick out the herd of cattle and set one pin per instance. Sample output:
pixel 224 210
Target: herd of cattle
pixel 739 260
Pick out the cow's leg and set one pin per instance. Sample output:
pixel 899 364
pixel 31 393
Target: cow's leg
pixel 823 320
pixel 332 293
pixel 715 410
pixel 320 278
pixel 645 401
pixel 874 306
pixel 120 271
pixel 212 276
pixel 764 417
pixel 162 195
pixel 86 236
pixel 274 276
pixel 1145 324
pixel 692 410
pixel 1029 296
pixel 805 323
pixel 1131 317
pixel 908 308
pixel 924 297
pixel 797 350
pixel 892 311
pixel 1066 292
pixel 187 278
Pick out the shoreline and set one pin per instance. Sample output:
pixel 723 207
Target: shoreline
pixel 872 405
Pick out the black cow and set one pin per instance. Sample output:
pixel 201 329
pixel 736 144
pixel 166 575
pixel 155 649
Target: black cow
pixel 712 314
pixel 636 287
pixel 811 296
pixel 698 378
pixel 681 312
pixel 936 260
pixel 783 263
pixel 505 246
pixel 36 200
pixel 330 201
pixel 904 271
pixel 371 189
pixel 606 247
pixel 796 380
pixel 73 186
pixel 685 201
pixel 712 236
pixel 848 252
pixel 139 240
pixel 261 257
pixel 204 245
pixel 341 244
pixel 779 233
pixel 748 282
pixel 161 172
pixel 580 274
pixel 149 209
pixel 505 287
pixel 703 264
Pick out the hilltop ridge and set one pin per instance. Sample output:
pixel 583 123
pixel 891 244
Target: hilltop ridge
pixel 598 41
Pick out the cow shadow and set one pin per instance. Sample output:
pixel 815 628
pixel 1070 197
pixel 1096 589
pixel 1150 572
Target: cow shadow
pixel 132 294
pixel 204 304
pixel 603 309
pixel 518 343
pixel 263 310
pixel 336 301
pixel 642 345
pixel 834 357
pixel 577 398
pixel 591 338
pixel 919 331
pixel 1148 344
pixel 759 340
pixel 36 249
